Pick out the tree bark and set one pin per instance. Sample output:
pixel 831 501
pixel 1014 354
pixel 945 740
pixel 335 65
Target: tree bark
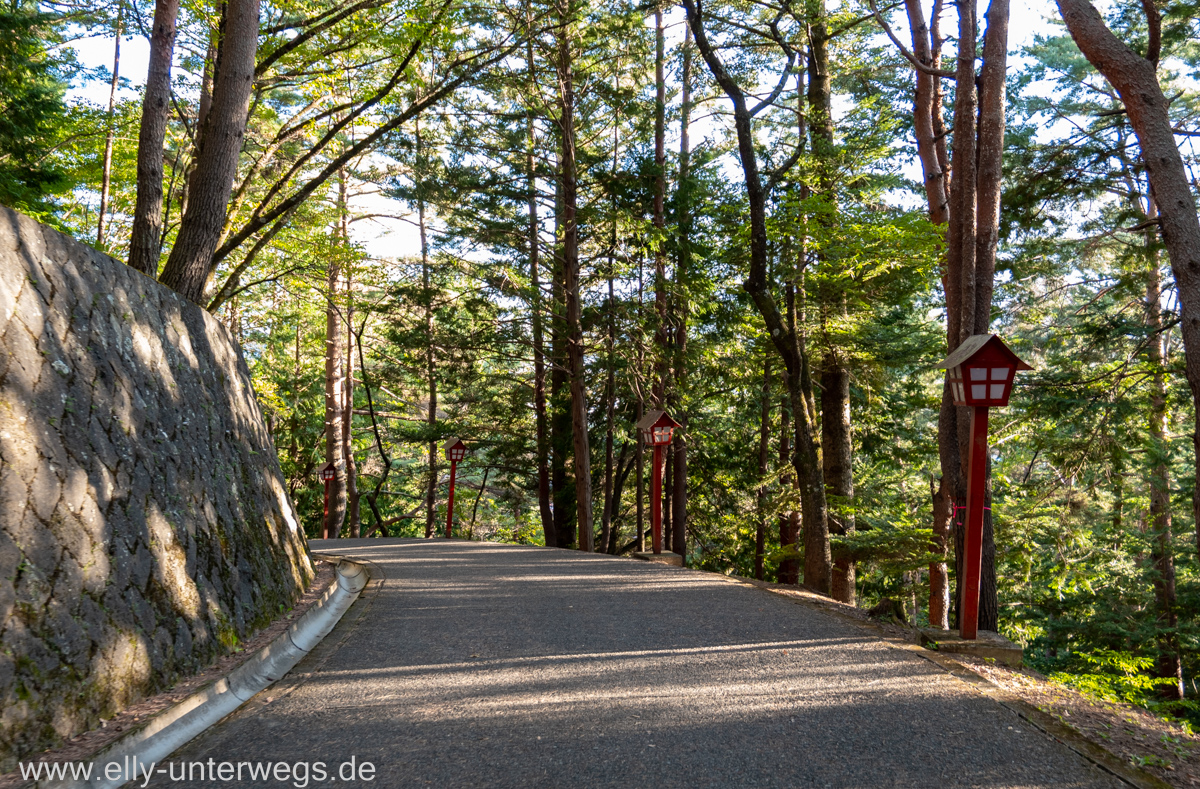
pixel 352 503
pixel 1136 81
pixel 764 449
pixel 156 106
pixel 789 568
pixel 925 113
pixel 561 437
pixel 960 262
pixel 535 307
pixel 682 290
pixel 190 263
pixel 430 350
pixel 639 412
pixel 111 131
pixel 839 477
pixel 610 401
pixel 1169 664
pixel 334 401
pixel 571 282
pixel 475 507
pixel 929 128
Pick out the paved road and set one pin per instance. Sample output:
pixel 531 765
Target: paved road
pixel 479 665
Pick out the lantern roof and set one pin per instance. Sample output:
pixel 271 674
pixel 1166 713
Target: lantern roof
pixel 655 419
pixel 452 443
pixel 328 470
pixel 976 344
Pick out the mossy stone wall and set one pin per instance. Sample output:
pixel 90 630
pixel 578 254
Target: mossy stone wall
pixel 144 524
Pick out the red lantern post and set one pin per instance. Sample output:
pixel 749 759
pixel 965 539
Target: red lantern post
pixel 456 450
pixel 981 372
pixel 328 474
pixel 656 429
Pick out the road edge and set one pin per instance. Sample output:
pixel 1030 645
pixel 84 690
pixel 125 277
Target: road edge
pixel 163 734
pixel 1092 751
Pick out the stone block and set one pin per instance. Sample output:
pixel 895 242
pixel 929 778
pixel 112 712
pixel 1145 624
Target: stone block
pixel 68 579
pixel 141 567
pixel 10 560
pixel 67 636
pixel 45 491
pixel 38 545
pixel 31 309
pixel 75 489
pixel 24 361
pixel 100 444
pixel 14 493
pixel 120 615
pixel 666 557
pixel 987 645
pixel 36 655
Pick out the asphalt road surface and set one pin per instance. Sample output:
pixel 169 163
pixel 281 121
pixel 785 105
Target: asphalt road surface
pixel 482 665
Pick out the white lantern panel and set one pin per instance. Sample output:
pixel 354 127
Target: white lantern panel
pixel 999 373
pixel 978 391
pixel 997 391
pixel 978 373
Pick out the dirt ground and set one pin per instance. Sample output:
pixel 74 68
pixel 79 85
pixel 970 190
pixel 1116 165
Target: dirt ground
pixel 1135 735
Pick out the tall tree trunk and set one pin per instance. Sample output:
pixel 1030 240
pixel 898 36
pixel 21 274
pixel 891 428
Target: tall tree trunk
pixel 836 446
pixel 640 411
pixel 571 280
pixel 475 507
pixel 764 449
pixel 807 457
pixel 190 264
pixel 563 492
pixel 989 155
pixel 1161 552
pixel 661 351
pixel 535 307
pixel 111 131
pixel 839 478
pixel 352 508
pixel 1136 81
pixel 610 400
pixel 294 417
pixel 682 294
pixel 929 128
pixel 156 107
pixel 334 401
pixel 789 568
pixel 960 262
pixel 430 350
pixel 668 473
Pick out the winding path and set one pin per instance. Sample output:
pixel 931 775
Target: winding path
pixel 482 665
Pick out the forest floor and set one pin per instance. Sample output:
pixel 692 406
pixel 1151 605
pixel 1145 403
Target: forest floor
pixel 1160 747
pixel 87 745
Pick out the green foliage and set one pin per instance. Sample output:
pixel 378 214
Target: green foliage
pixel 32 110
pixel 1111 676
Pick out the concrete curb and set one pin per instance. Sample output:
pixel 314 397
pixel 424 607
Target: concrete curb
pixel 171 729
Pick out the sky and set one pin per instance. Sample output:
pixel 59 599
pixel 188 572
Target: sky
pixel 390 238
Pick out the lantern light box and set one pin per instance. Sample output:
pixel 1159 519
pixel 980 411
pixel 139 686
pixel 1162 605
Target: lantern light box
pixel 981 371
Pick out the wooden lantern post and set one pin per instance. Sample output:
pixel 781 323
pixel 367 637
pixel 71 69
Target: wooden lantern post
pixel 981 372
pixel 656 429
pixel 456 450
pixel 328 474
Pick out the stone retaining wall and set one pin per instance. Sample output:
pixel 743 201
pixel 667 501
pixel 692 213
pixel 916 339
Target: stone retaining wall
pixel 144 523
